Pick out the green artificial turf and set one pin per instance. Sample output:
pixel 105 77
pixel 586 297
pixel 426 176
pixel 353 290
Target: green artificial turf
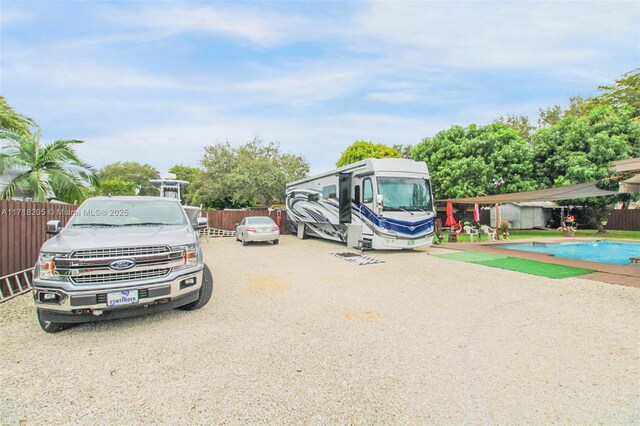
pixel 469 256
pixel 533 267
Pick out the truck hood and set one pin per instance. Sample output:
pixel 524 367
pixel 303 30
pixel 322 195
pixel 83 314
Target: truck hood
pixel 81 238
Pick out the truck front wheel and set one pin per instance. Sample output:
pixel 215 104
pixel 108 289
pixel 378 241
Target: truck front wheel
pixel 205 292
pixel 50 327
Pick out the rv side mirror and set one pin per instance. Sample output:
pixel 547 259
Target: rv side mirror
pixel 53 227
pixel 380 199
pixel 201 223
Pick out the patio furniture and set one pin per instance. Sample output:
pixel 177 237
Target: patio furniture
pixel 489 232
pixel 471 232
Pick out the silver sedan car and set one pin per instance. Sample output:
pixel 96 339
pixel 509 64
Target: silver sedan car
pixel 257 228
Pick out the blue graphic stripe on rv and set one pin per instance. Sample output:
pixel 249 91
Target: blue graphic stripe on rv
pixel 396 225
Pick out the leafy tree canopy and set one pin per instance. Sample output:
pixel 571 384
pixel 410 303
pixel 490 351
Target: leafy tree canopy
pixel 361 150
pixel 520 123
pixel 581 148
pixel 132 172
pixel 404 150
pixel 115 186
pixel 191 175
pixel 625 91
pixel 254 173
pixel 477 160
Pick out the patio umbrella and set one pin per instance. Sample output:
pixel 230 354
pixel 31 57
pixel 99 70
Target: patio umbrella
pixel 476 213
pixel 450 219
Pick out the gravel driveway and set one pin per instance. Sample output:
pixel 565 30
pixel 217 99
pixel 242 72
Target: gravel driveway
pixel 295 335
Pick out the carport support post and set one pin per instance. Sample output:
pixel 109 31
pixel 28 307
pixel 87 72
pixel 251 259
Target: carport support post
pixel 497 218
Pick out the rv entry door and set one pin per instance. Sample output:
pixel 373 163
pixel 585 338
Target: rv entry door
pixel 344 182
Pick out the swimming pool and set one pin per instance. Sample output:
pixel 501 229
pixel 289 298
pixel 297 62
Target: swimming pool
pixel 615 252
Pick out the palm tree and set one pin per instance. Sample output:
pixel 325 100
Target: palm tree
pixel 11 120
pixel 43 171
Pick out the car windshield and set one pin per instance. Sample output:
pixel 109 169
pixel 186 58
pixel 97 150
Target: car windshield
pixel 129 213
pixel 259 221
pixel 400 193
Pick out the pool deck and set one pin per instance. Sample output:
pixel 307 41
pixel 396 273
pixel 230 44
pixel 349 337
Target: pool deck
pixel 628 275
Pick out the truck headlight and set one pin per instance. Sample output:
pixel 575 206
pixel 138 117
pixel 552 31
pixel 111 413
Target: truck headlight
pixel 47 267
pixel 189 254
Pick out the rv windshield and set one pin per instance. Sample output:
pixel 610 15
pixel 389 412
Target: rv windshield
pixel 412 194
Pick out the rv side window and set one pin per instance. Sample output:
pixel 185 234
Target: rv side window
pixel 313 197
pixel 356 194
pixel 367 191
pixel 329 191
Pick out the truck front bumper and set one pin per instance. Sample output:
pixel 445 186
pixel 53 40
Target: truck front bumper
pixel 83 304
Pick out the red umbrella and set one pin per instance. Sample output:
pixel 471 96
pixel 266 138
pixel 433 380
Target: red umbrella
pixel 476 213
pixel 450 219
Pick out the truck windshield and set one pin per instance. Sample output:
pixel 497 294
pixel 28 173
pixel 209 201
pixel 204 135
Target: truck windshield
pixel 129 213
pixel 400 193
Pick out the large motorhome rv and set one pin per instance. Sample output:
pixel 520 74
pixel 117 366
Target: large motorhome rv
pixel 375 203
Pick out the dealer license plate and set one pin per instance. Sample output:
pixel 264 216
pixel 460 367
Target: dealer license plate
pixel 119 298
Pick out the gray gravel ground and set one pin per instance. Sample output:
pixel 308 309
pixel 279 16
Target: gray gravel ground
pixel 295 335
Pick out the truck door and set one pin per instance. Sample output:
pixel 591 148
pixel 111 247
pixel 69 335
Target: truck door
pixel 344 189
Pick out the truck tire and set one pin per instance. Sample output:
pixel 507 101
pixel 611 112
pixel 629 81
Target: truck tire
pixel 50 327
pixel 205 292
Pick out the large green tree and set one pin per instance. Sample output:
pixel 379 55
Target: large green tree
pixel 191 175
pixel 254 173
pixel 624 91
pixel 132 172
pixel 361 150
pixel 114 186
pixel 520 123
pixel 477 160
pixel 581 147
pixel 43 171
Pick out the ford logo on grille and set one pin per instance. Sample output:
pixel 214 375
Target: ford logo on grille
pixel 121 265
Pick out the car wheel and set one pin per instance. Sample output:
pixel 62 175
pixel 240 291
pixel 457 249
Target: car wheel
pixel 50 327
pixel 276 241
pixel 244 242
pixel 205 292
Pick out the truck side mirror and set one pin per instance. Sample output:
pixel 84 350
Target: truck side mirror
pixel 53 227
pixel 201 223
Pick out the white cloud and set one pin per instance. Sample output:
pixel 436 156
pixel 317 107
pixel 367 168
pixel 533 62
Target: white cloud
pixel 11 17
pixel 263 28
pixel 499 35
pixel 320 139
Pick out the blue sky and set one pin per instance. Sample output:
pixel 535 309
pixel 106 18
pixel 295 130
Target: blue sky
pixel 155 82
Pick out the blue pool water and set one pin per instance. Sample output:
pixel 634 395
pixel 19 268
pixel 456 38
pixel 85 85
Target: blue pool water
pixel 597 251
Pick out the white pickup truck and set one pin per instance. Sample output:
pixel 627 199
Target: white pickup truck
pixel 120 257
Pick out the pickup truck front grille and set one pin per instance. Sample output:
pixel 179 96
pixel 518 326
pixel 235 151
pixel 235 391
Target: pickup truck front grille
pixel 121 276
pixel 119 252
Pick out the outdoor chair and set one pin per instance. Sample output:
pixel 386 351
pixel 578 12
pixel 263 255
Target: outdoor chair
pixel 471 232
pixel 489 232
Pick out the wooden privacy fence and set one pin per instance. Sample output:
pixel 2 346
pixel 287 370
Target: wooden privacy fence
pixel 624 220
pixel 227 219
pixel 22 231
